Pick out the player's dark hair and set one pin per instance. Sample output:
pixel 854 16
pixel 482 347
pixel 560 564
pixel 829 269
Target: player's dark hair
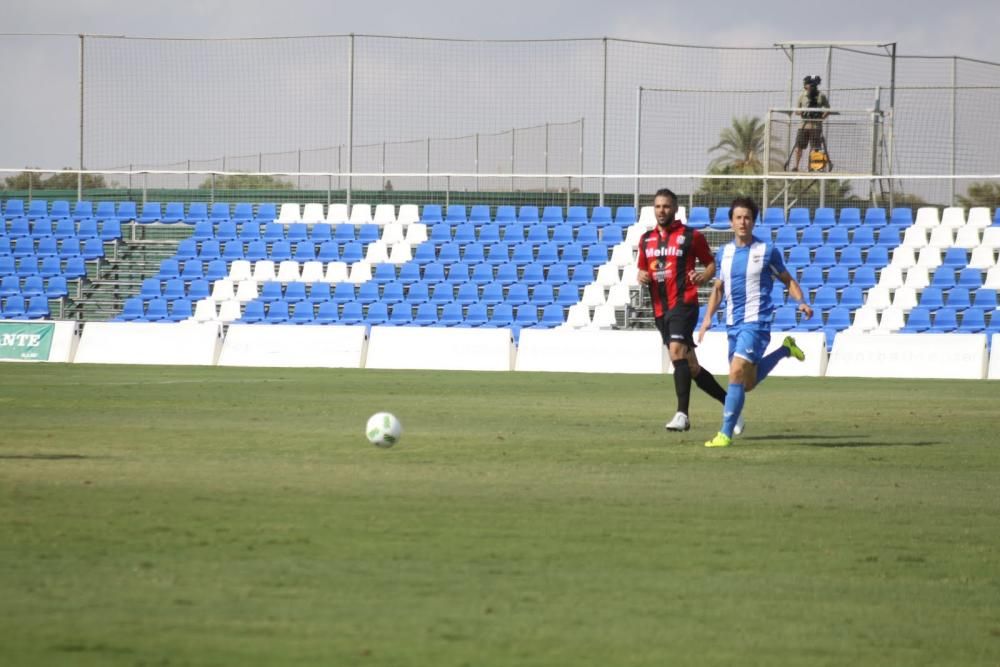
pixel 744 202
pixel 666 192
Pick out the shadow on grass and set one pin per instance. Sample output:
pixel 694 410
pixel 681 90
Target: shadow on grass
pixel 42 457
pixel 819 440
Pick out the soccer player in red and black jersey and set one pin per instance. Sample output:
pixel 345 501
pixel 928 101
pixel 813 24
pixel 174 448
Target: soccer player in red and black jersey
pixel 668 255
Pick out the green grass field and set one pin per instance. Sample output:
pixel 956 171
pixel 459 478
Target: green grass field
pixel 189 516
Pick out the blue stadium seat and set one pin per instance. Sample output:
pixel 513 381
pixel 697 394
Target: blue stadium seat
pixel 601 215
pixel 352 252
pixel 82 209
pixel 47 247
pixel 970 278
pixel 270 291
pixel 799 217
pixel 384 273
pixel 434 272
pixel 581 274
pixel 250 231
pixel 476 316
pixel 273 232
pixel 527 214
pixel 56 287
pixel 479 214
pixel 277 312
pixel 321 232
pixel 37 208
pixel 427 315
pixel 852 297
pixel 698 217
pixel 838 277
pixel 542 294
pixel 774 216
pixel 319 292
pixel 812 277
pixel 243 212
pixel 197 211
pixel 474 253
pixel 377 313
pixel 431 214
pixel 456 214
pixel 457 272
pixel 367 293
pixel 9 286
pixel 465 233
pixel 220 212
pixel 64 229
pixel 400 314
pixel 944 277
pixel 295 292
pixel 812 236
pixel 955 258
pixel 75 267
pixel 877 257
pixel 180 309
pixel 497 253
pixel 425 253
pixel 199 289
pixel 42 228
pixel 451 315
pixel 824 218
pixel 814 323
pixel 959 298
pixel 216 270
pixel 553 215
pixel 533 273
pixel 492 293
pixel 489 233
pixel 513 232
pixel 863 236
pixel 344 233
pixel 973 321
pixel 482 273
pixel 157 310
pixel 786 237
pixel 442 293
pixel 151 213
pixel 837 237
pixel 169 268
pixel 173 212
pixel 417 293
pixel 266 212
pixel 523 253
pixel 825 297
pixel 501 316
pixel 409 272
pixel 133 310
pixel 7 267
pixel 784 318
pixel 172 289
pixel 526 316
pixel 28 266
pixel 945 320
pixel 517 294
pixel 985 299
pixel 302 313
pixel 449 252
pixel 864 277
pixel 901 217
pixel 352 313
pixel 888 237
pixel 505 214
pixel 468 293
pixel 825 256
pixel 296 231
pixel 209 250
pixel 439 233
pixel 558 274
pixel 798 257
pixel 552 316
pixel 577 215
pixel 625 216
pixel 539 233
pixel 875 217
pixel 327 313
pixel 838 318
pixel 506 273
pixel 343 293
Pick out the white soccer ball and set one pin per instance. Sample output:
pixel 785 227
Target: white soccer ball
pixel 383 429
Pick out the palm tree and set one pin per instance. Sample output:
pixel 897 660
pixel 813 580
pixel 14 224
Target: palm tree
pixel 743 148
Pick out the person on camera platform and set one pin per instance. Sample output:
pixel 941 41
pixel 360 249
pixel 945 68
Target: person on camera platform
pixel 811 132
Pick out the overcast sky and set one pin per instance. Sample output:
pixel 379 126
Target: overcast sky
pixel 920 27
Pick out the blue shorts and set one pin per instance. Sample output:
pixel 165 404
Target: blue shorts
pixel 749 341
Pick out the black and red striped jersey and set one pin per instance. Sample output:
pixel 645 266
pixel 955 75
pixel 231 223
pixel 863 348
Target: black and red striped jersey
pixel 669 256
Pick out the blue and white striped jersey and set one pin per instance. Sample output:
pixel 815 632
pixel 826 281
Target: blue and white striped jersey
pixel 748 273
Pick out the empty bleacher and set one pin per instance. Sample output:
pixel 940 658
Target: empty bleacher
pixel 867 270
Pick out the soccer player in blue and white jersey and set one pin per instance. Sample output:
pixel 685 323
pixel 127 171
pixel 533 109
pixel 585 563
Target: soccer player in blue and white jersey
pixel 747 269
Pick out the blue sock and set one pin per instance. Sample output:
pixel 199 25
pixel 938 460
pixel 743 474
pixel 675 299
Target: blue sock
pixel 768 363
pixel 734 406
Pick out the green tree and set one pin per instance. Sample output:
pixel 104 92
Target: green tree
pixel 742 146
pixel 62 181
pixel 981 193
pixel 246 182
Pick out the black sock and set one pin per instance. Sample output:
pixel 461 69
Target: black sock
pixel 682 384
pixel 708 384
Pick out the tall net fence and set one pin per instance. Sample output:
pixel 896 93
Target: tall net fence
pixel 547 119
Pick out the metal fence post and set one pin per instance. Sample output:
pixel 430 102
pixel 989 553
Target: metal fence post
pixel 79 177
pixel 350 122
